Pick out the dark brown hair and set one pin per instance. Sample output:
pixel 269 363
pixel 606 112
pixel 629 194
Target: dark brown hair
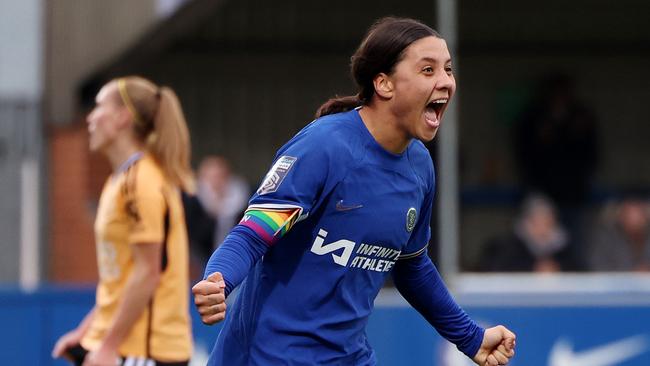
pixel 381 49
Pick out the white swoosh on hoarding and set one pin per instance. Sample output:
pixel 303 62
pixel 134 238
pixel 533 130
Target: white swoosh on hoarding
pixel 609 354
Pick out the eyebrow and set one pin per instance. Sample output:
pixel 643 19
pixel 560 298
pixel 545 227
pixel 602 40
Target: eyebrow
pixel 434 61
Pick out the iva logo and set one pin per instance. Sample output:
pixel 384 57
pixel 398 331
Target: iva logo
pixel 321 249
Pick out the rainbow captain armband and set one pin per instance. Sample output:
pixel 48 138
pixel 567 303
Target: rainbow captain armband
pixel 271 222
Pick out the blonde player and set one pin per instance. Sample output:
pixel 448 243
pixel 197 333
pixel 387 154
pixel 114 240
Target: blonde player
pixel 141 313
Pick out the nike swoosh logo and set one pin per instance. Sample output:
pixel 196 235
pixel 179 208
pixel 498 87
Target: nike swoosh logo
pixel 609 354
pixel 341 207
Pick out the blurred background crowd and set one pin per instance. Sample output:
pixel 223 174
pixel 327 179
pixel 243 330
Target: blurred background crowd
pixel 553 153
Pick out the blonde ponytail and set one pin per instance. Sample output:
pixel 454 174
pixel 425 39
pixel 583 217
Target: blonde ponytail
pixel 159 122
pixel 170 141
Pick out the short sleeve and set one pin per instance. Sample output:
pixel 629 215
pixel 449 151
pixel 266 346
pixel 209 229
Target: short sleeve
pixel 419 239
pixel 145 207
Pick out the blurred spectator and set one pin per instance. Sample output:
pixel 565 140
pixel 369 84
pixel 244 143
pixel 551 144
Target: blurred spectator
pixel 556 149
pixel 200 231
pixel 537 243
pixel 556 143
pixel 223 194
pixel 622 242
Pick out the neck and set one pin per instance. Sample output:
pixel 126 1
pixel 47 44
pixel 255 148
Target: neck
pixel 120 151
pixel 384 127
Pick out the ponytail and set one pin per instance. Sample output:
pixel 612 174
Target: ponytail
pixel 170 141
pixel 338 105
pixel 159 122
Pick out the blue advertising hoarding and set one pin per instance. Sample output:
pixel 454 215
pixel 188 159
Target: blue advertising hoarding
pixel 562 328
pixel 546 336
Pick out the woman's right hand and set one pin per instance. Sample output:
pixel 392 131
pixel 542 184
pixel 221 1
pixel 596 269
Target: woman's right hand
pixel 66 341
pixel 210 298
pixel 497 348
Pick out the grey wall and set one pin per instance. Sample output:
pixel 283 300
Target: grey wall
pixel 20 49
pixel 10 159
pixel 20 139
pixel 21 88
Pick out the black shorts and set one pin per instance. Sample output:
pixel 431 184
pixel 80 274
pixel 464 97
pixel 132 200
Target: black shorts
pixel 78 354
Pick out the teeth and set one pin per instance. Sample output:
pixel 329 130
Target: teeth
pixel 440 101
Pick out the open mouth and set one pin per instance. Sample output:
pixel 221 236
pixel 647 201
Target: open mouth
pixel 433 111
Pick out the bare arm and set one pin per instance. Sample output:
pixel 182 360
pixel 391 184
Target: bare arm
pixel 139 289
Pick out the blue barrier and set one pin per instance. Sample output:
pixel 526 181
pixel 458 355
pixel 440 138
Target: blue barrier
pixel 564 335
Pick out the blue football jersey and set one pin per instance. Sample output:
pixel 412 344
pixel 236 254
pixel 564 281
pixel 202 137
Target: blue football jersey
pixel 361 209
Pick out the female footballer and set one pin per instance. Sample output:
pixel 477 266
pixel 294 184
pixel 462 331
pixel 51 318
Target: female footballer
pixel 346 202
pixel 141 314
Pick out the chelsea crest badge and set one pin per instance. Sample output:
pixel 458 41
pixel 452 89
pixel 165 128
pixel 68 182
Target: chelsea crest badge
pixel 411 218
